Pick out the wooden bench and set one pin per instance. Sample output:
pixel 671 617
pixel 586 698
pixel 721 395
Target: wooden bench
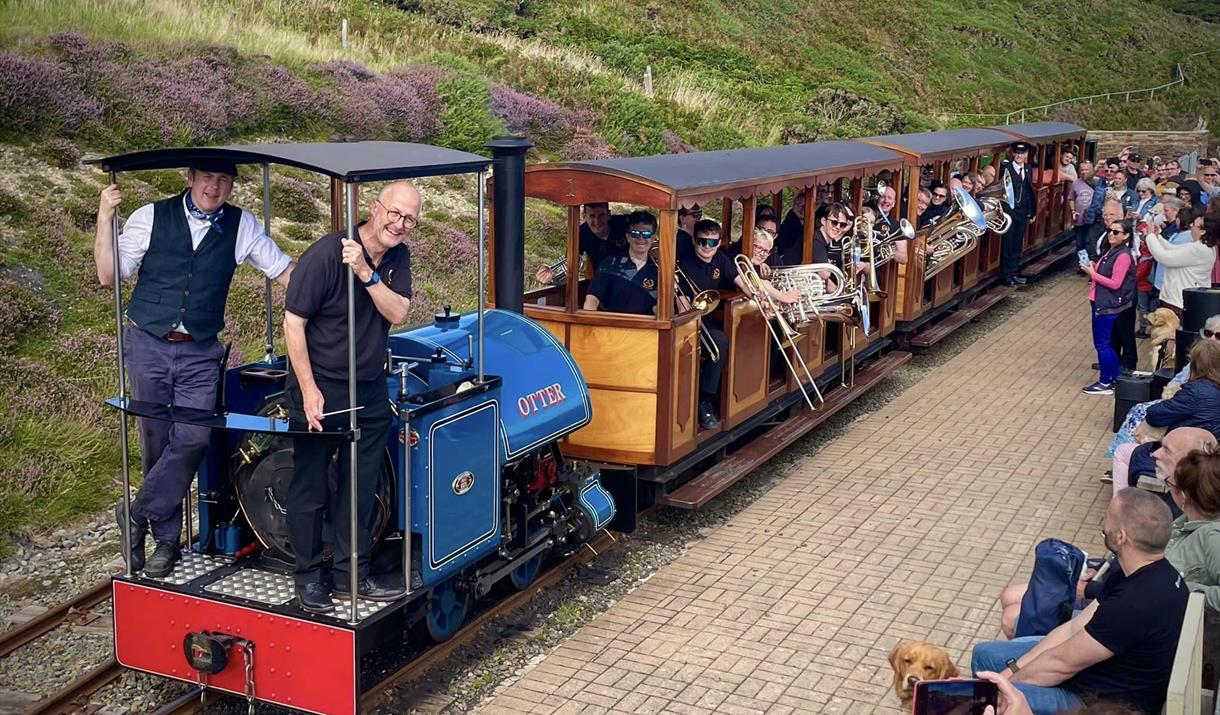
pixel 1186 694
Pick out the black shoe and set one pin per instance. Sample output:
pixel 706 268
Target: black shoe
pixel 139 530
pixel 369 589
pixel 707 418
pixel 1126 372
pixel 165 555
pixel 315 598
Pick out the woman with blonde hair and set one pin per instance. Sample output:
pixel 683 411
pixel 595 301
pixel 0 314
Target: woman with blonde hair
pixel 1145 194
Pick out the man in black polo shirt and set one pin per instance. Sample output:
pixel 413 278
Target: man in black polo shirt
pixel 627 283
pixel 315 328
pixel 1122 646
pixel 711 269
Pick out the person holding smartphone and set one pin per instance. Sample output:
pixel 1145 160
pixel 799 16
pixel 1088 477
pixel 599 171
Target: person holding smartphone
pixel 1111 292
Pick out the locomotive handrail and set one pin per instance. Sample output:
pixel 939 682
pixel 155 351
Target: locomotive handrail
pixel 213 419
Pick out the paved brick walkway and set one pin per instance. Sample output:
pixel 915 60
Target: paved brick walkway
pixel 905 528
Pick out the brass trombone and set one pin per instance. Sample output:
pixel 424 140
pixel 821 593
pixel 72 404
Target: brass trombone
pixel 757 291
pixel 703 301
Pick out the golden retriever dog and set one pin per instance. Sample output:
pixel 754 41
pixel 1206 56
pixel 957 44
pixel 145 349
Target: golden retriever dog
pixel 1162 328
pixel 913 662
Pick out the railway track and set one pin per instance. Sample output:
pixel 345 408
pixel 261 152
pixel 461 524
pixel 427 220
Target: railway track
pixel 73 697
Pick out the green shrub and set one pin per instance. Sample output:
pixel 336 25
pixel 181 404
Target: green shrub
pixel 59 152
pixel 466 121
pixel 714 135
pixel 12 206
pixel 293 199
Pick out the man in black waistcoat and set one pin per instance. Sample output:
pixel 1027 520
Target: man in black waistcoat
pixel 315 328
pixel 1023 212
pixel 185 249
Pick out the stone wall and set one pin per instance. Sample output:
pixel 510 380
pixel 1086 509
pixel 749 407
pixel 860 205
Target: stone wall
pixel 1150 144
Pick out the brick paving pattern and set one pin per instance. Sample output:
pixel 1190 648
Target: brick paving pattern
pixel 906 527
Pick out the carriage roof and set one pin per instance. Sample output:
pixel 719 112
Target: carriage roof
pixel 344 161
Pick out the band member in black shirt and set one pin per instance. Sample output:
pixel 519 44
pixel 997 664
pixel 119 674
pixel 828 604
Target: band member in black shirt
pixel 627 282
pixel 828 239
pixel 601 235
pixel 711 269
pixel 316 331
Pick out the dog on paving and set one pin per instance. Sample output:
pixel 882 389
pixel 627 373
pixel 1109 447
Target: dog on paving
pixel 914 661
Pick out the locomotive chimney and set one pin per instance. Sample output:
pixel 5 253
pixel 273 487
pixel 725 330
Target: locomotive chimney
pixel 508 206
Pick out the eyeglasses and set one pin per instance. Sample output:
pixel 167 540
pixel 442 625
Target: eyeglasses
pixel 940 196
pixel 393 216
pixel 640 234
pixel 1117 232
pixel 697 213
pixel 839 224
pixel 1210 334
pixel 708 241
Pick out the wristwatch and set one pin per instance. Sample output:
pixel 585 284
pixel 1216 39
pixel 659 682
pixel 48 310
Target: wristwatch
pixel 1012 665
pixel 373 280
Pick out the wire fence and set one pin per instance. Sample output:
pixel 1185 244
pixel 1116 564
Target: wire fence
pixel 1129 95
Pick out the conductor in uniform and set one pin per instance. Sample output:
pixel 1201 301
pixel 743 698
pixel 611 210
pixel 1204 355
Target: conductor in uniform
pixel 183 251
pixel 1023 212
pixel 316 330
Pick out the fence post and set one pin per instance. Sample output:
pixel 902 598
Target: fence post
pixel 648 80
pixel 345 33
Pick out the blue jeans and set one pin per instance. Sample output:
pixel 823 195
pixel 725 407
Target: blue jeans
pixel 992 656
pixel 1107 359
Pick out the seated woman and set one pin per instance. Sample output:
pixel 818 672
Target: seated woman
pixel 1197 404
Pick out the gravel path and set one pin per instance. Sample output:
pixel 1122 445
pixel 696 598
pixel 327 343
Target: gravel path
pixel 52 567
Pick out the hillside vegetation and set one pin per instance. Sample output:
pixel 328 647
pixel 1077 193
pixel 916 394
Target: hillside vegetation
pixel 96 76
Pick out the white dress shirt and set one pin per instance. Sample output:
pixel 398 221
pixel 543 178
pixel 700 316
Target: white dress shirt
pixel 254 246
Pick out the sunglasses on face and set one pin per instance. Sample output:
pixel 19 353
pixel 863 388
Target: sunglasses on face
pixel 640 234
pixel 696 214
pixel 1210 334
pixel 1117 232
pixel 708 241
pixel 839 224
pixel 940 196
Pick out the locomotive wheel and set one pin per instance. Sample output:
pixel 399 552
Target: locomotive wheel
pixel 447 609
pixel 262 471
pixel 522 576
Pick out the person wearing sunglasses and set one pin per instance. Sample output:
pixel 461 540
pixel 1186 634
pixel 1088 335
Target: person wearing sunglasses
pixel 938 203
pixel 1146 199
pixel 709 268
pixel 627 282
pixel 1111 291
pixel 835 223
pixel 687 218
pixel 1186 265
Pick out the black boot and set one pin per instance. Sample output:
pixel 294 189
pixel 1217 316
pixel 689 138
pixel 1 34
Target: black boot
pixel 165 555
pixel 139 530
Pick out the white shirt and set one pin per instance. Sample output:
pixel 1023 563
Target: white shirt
pixel 254 246
pixel 1188 265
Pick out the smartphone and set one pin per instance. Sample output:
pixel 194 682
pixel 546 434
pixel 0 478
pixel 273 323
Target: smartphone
pixel 954 697
pixel 1083 256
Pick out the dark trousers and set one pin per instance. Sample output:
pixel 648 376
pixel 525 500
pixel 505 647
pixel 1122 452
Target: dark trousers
pixel 309 494
pixel 1107 360
pixel 1081 234
pixel 1010 246
pixel 183 374
pixel 1122 339
pixel 710 372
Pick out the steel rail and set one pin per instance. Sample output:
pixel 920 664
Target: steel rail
pixel 44 623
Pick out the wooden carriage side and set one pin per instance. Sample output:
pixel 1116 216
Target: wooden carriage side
pixel 642 371
pixel 941 150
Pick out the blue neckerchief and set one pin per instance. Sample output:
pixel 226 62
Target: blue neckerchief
pixel 212 218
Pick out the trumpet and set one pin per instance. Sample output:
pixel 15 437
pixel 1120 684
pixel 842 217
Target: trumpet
pixel 558 271
pixel 703 301
pixel 756 289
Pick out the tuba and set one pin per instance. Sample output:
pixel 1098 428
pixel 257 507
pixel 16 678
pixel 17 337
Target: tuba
pixel 884 246
pixel 956 234
pixel 998 219
pixel 703 301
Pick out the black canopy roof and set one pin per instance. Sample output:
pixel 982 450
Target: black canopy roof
pixel 949 141
pixel 699 171
pixel 1042 131
pixel 346 161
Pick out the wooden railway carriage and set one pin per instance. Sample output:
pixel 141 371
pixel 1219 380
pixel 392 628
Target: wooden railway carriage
pixel 642 371
pixel 918 295
pixel 1050 140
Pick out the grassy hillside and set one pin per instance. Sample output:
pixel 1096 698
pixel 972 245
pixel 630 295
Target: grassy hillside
pixel 82 76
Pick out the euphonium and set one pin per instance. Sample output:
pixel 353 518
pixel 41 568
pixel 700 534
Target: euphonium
pixel 955 234
pixel 998 219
